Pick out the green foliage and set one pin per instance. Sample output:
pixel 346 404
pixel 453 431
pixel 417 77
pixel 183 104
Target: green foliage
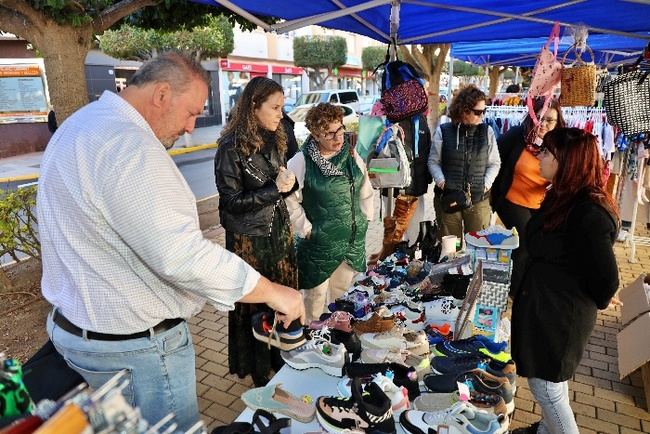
pixel 212 39
pixel 319 52
pixel 173 15
pixel 76 13
pixel 372 56
pixel 18 234
pixel 464 69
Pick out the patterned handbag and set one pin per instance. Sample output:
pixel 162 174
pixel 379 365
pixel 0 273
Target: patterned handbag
pixel 407 97
pixel 546 75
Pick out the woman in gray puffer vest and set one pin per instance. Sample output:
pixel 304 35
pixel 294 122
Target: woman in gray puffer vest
pixel 464 161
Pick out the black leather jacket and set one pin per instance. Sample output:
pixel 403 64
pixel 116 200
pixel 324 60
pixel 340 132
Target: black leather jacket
pixel 248 197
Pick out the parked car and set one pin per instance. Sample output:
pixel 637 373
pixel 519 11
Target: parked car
pixel 348 97
pixel 366 103
pixel 298 115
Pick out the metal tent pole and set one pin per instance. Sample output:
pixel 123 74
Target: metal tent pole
pixel 394 27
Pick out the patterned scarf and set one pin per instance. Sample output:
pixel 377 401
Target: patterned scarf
pixel 325 166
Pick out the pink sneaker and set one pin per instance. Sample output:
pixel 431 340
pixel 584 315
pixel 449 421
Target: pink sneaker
pixel 339 320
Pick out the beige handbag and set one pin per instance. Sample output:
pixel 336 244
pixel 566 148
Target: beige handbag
pixel 578 84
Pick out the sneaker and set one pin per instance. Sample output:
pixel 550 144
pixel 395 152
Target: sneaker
pixel 459 365
pixel 319 352
pixel 461 418
pixel 432 402
pixel 442 310
pixel 375 324
pixel 470 346
pixel 266 329
pixel 339 320
pixel 398 395
pixel 275 399
pixel 448 383
pixel 366 410
pixel 350 341
pixel 409 314
pixel 404 357
pixel 402 375
pixel 397 339
pixel 488 384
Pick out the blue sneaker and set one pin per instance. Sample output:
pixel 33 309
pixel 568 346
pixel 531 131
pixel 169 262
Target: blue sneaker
pixel 468 347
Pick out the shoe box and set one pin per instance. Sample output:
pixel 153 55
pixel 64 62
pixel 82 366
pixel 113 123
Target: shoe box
pixel 634 340
pixel 635 299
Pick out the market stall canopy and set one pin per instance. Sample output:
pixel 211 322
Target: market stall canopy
pixel 608 50
pixel 425 22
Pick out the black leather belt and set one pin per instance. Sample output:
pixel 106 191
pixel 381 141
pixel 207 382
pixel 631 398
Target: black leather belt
pixel 66 325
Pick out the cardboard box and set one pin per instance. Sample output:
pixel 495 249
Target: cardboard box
pixel 634 345
pixel 635 300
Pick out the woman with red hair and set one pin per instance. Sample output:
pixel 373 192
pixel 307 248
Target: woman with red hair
pixel 570 273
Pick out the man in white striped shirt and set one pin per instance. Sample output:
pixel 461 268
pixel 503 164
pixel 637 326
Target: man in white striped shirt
pixel 124 260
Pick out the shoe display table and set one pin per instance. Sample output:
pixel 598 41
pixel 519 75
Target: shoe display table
pixel 312 382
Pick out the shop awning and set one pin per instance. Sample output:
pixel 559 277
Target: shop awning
pixel 608 50
pixel 425 21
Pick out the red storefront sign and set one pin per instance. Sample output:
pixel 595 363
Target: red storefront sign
pixel 227 65
pixel 349 72
pixel 292 70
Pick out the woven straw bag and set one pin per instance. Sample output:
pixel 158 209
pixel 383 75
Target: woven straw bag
pixel 578 85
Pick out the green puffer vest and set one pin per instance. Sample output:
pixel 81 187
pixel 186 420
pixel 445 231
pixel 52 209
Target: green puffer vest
pixel 338 232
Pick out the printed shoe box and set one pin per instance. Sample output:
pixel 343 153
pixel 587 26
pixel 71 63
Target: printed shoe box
pixel 634 345
pixel 635 299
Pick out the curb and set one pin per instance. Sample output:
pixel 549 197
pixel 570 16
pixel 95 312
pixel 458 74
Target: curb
pixel 172 152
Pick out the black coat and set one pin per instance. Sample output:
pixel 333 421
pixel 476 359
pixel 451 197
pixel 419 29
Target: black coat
pixel 570 274
pixel 511 145
pixel 248 196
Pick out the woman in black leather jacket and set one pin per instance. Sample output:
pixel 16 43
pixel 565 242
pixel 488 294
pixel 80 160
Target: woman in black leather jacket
pixel 252 181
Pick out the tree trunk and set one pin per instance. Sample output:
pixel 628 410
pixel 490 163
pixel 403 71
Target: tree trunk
pixel 495 73
pixel 64 51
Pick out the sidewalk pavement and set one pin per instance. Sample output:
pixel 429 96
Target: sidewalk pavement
pixel 27 167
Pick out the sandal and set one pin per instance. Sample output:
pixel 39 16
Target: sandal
pixel 272 425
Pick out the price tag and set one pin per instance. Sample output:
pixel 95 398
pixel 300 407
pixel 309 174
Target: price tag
pixel 463 391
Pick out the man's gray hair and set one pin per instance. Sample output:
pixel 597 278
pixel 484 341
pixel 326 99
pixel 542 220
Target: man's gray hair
pixel 174 68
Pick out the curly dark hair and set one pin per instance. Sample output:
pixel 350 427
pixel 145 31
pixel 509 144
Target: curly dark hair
pixel 320 116
pixel 244 124
pixel 528 125
pixel 464 101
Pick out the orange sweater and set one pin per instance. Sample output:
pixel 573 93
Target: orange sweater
pixel 528 187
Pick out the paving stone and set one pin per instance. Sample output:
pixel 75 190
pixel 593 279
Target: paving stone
pixel 603 357
pixel 237 405
pixel 213 345
pixel 524 417
pixel 625 430
pixel 645 425
pixel 619 419
pixel 237 389
pixel 597 382
pixel 596 424
pixel 215 356
pixel 220 413
pixel 631 410
pixel 579 387
pixel 628 390
pixel 212 334
pixel 200 374
pixel 201 389
pixel 599 364
pixel 607 375
pixel 607 404
pixel 524 404
pixel 585 370
pixel 220 383
pixel 614 396
pixel 216 395
pixel 587 410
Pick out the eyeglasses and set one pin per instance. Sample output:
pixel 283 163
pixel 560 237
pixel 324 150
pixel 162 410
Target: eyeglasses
pixel 549 121
pixel 335 134
pixel 478 112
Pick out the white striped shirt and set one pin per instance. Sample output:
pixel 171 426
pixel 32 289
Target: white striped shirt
pixel 121 244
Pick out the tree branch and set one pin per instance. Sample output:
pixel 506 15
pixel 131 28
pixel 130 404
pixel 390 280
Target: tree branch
pixel 118 11
pixel 421 58
pixel 16 23
pixel 24 9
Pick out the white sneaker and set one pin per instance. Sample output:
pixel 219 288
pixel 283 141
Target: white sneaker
pixel 461 418
pixel 397 339
pixel 442 310
pixel 319 352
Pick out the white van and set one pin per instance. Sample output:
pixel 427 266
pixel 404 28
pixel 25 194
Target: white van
pixel 335 96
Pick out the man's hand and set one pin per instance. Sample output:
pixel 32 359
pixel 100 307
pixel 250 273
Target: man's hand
pixel 441 185
pixel 285 180
pixel 288 304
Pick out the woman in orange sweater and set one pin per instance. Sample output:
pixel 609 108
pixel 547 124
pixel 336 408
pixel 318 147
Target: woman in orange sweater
pixel 519 189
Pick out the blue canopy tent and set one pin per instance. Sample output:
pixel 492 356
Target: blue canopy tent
pixel 448 21
pixel 608 50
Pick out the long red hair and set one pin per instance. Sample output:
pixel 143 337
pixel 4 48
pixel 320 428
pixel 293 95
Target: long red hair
pixel 580 172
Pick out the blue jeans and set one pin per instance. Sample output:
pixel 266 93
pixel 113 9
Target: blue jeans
pixel 557 416
pixel 160 369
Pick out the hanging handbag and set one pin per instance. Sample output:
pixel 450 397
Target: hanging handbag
pixel 627 99
pixel 578 84
pixel 546 75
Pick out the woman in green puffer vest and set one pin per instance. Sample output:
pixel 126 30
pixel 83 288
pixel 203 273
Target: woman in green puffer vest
pixel 330 210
